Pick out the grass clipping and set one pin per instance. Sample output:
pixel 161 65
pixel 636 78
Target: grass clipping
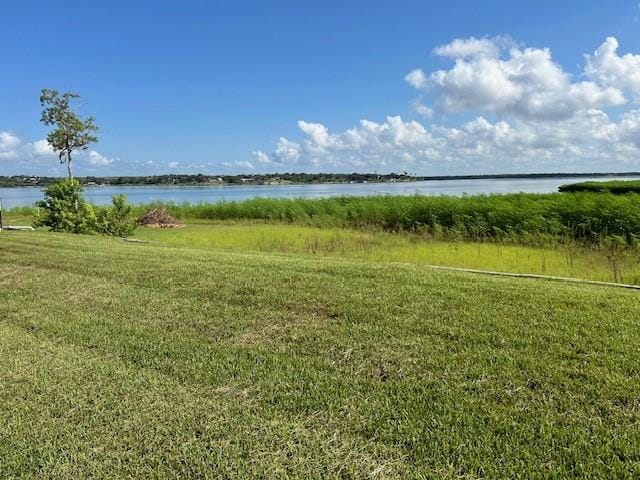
pixel 159 218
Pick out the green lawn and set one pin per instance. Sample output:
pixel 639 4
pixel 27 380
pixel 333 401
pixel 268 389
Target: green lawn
pixel 566 261
pixel 152 361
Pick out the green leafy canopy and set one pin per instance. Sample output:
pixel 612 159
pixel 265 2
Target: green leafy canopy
pixel 71 132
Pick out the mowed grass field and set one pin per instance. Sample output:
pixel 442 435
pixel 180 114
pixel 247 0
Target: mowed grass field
pixel 571 260
pixel 125 360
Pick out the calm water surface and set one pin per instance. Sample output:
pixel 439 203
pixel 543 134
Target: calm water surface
pixel 21 196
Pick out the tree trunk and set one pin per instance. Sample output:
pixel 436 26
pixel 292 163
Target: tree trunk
pixel 69 165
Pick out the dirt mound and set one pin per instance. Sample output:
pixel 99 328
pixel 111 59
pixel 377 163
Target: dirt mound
pixel 158 218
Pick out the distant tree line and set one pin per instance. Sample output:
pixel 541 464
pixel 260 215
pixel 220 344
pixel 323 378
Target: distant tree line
pixel 276 178
pixel 200 179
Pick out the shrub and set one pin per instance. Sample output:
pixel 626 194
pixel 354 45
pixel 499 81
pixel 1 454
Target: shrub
pixel 64 209
pixel 117 220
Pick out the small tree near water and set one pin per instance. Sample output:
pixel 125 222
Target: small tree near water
pixel 64 209
pixel 71 133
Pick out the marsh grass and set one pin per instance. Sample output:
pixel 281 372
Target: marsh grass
pixel 527 219
pixel 512 218
pixel 611 261
pixel 619 187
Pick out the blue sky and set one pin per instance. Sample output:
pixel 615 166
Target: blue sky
pixel 244 87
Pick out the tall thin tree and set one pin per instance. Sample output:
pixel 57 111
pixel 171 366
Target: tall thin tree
pixel 71 133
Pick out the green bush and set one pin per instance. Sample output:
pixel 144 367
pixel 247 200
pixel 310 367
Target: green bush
pixel 64 209
pixel 117 220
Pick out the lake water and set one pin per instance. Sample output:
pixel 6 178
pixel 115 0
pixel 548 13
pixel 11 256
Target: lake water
pixel 21 196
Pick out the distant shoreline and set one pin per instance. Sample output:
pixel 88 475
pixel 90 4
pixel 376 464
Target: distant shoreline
pixel 286 179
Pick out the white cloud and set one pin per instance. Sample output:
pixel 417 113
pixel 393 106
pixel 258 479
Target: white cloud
pixel 421 109
pixel 628 130
pixel 473 47
pixel 239 164
pixel 417 78
pixel 261 157
pixel 608 68
pixel 526 83
pixel 9 145
pixel 368 143
pixel 528 114
pixel 287 151
pixel 35 155
pixel 41 148
pixel 589 140
pixel 97 160
pixel 317 136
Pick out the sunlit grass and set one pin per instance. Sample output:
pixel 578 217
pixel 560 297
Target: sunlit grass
pixel 570 260
pixel 128 360
pixel 17 218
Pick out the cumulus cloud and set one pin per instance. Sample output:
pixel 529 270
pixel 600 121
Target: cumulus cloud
pixel 495 76
pixel 421 109
pixel 9 144
pixel 473 47
pixel 587 139
pixel 41 148
pixel 12 147
pixel 261 157
pixel 36 153
pixel 608 68
pixel 238 165
pixel 417 78
pixel 37 157
pixel 368 142
pixel 97 160
pixel 516 110
pixel 287 151
pixel 628 130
